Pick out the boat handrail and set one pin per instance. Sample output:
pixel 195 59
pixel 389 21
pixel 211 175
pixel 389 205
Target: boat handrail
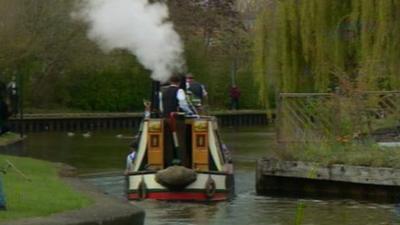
pixel 144 172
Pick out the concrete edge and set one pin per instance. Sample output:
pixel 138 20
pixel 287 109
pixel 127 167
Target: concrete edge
pixel 305 179
pixel 106 210
pixel 335 172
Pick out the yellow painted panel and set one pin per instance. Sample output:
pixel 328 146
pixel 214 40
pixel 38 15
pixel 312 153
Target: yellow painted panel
pixel 200 150
pixel 155 144
pixel 155 158
pixel 201 157
pixel 201 167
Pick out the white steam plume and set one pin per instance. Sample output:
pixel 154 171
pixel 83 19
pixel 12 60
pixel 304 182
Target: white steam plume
pixel 138 26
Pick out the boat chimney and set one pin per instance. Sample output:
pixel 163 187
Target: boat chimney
pixel 155 100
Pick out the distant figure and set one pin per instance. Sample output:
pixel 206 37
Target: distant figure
pixel 2 196
pixel 4 115
pixel 235 96
pixel 3 90
pixel 174 98
pixel 197 90
pixel 12 91
pixel 130 159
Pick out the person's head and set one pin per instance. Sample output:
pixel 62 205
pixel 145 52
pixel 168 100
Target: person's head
pixel 134 144
pixel 175 79
pixel 189 77
pixel 132 149
pixel 14 78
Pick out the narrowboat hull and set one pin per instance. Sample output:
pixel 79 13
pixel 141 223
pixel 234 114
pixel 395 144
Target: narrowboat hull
pixel 208 187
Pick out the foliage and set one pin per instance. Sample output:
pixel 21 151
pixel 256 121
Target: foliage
pixel 299 214
pixel 347 115
pixel 32 199
pixel 301 45
pixel 218 48
pixel 340 128
pixel 62 68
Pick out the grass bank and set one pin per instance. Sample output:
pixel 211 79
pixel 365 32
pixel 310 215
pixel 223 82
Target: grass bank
pixel 44 195
pixel 367 153
pixel 9 138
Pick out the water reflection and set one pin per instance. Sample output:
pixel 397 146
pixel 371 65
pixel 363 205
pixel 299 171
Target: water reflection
pixel 104 152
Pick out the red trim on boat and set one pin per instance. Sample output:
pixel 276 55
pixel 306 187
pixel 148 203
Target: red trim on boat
pixel 181 196
pixel 133 196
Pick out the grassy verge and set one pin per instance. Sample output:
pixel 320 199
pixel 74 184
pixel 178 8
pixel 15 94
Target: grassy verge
pixel 45 194
pixel 366 153
pixel 8 138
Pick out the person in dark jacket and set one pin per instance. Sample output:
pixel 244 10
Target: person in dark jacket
pixel 197 90
pixel 4 115
pixel 174 98
pixel 3 90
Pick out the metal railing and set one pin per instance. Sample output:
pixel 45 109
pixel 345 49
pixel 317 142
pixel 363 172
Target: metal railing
pixel 315 117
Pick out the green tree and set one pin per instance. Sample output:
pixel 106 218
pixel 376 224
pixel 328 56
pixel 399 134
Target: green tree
pixel 309 45
pixel 63 69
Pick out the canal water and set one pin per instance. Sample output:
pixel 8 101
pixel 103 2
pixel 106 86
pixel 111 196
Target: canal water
pixel 102 155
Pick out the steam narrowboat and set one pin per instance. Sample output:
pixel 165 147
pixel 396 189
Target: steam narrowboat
pixel 181 158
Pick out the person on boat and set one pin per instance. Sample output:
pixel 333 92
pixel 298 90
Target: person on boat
pixel 197 90
pixel 147 109
pixel 173 99
pixel 130 159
